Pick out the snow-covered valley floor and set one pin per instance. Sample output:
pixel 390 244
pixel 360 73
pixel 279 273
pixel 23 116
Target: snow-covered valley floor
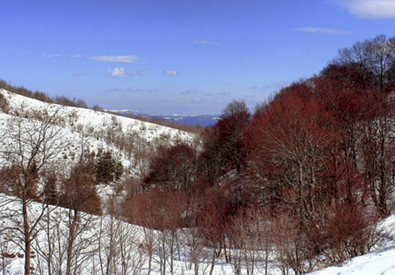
pixel 106 245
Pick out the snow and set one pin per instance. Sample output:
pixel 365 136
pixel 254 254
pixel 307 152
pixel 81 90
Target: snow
pixel 94 127
pixel 97 234
pixel 96 119
pixel 380 262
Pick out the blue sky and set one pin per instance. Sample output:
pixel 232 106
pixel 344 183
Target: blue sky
pixel 178 56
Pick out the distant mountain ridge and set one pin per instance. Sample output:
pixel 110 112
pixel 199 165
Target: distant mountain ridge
pixel 202 120
pixel 193 120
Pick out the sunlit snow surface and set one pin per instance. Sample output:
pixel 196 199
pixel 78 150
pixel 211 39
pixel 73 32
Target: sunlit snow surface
pixel 94 126
pixel 380 262
pixel 94 119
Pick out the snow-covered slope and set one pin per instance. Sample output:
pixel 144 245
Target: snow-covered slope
pixel 95 119
pixel 105 237
pixel 376 263
pixel 380 262
pixel 125 137
pixel 103 245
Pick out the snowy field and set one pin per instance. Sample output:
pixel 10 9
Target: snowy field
pixel 102 234
pixel 99 237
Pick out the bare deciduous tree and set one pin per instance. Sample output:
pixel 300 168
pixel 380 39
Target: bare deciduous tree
pixel 29 145
pixel 118 251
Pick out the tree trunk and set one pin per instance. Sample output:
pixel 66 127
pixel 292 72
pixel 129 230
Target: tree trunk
pixel 301 197
pixel 49 240
pixel 213 261
pixel 26 231
pixel 71 238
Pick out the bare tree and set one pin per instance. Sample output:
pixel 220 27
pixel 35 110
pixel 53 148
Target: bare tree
pixel 30 144
pixel 370 60
pixel 7 253
pixel 250 235
pixel 194 242
pixel 140 210
pixel 235 107
pixel 172 207
pixel 118 251
pixel 79 195
pixel 173 167
pixel 222 143
pixel 142 152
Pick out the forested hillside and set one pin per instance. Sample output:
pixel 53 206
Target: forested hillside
pixel 302 182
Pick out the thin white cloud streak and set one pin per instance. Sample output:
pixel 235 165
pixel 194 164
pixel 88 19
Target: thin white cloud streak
pixel 117 72
pixel 121 72
pixel 205 42
pixel 370 8
pixel 170 72
pixel 118 58
pixel 322 30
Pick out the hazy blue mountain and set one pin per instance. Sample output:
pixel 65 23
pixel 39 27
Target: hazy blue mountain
pixel 202 120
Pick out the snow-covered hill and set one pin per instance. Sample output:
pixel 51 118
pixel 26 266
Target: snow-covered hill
pixel 94 119
pixel 127 138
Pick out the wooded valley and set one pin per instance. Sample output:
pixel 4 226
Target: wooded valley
pixel 299 183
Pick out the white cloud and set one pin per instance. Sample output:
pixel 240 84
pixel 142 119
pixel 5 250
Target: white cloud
pixel 117 72
pixel 205 42
pixel 321 30
pixel 121 72
pixel 170 72
pixel 118 58
pixel 370 8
